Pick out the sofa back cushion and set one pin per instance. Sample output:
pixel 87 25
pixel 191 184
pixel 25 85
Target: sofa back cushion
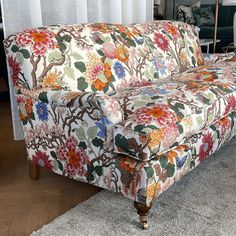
pixel 84 57
pixel 175 46
pixel 100 57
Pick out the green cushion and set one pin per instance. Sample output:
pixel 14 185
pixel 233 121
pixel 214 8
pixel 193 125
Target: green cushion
pixel 203 16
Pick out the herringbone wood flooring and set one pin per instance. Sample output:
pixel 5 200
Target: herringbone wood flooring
pixel 26 205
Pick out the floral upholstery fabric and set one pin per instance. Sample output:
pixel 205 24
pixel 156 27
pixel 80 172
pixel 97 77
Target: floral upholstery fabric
pixel 165 113
pixel 175 46
pixel 82 149
pixel 127 108
pixel 100 57
pixel 219 58
pixel 149 179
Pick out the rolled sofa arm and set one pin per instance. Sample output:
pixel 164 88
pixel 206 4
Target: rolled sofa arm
pixel 109 106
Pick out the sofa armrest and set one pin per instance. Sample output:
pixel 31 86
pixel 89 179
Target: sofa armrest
pixel 109 106
pixel 218 57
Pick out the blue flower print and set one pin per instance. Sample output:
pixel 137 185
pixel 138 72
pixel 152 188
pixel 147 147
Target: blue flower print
pixel 42 111
pixel 119 70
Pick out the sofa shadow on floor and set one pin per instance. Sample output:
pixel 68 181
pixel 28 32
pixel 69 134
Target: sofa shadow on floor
pixel 203 203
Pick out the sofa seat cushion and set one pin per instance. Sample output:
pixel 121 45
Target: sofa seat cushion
pixel 145 181
pixel 163 114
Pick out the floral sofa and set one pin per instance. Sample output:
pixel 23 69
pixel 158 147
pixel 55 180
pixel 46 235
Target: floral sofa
pixel 130 109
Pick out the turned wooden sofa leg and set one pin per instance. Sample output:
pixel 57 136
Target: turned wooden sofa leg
pixel 33 170
pixel 142 211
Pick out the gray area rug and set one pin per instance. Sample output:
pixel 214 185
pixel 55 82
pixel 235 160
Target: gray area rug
pixel 203 203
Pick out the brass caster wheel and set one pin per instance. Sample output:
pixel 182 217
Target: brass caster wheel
pixel 144 225
pixel 142 211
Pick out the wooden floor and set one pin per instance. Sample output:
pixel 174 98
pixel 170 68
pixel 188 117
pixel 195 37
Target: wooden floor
pixel 26 205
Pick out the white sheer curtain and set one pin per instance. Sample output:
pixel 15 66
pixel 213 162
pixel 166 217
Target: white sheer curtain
pixel 21 14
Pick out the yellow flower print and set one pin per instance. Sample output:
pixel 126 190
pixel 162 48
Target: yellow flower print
pixel 152 189
pixel 51 80
pixel 156 137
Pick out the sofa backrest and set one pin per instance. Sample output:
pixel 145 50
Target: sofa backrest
pixel 175 46
pixel 100 57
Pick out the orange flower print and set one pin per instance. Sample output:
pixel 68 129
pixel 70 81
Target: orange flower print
pixel 206 75
pixel 39 40
pixel 233 59
pixel 127 164
pixel 51 80
pixel 196 86
pixel 99 85
pixel 25 106
pixel 225 124
pixel 172 30
pixel 97 73
pixel 107 70
pixel 183 58
pixel 200 59
pixel 152 190
pixel 101 76
pixel 171 155
pixel 105 28
pixel 39 37
pixel 130 32
pixel 122 53
pixel 155 138
pixel 160 114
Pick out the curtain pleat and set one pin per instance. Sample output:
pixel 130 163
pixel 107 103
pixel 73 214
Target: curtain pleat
pixel 82 16
pixel 21 14
pixel 35 13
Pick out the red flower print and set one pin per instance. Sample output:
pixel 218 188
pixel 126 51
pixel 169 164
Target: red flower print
pixel 39 40
pixel 161 42
pixel 15 70
pixel 42 159
pixel 171 133
pixel 76 160
pixel 70 170
pixel 109 50
pixel 160 114
pixel 74 156
pixel 71 143
pixel 231 106
pixel 61 153
pixel 206 147
pixel 141 117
